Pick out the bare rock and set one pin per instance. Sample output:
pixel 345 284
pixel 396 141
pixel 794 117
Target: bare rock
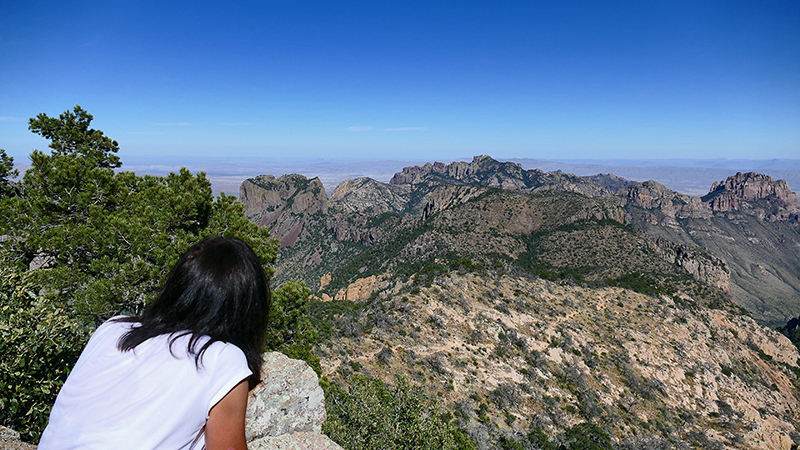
pixel 365 195
pixel 485 171
pixel 294 441
pixel 288 400
pixel 654 195
pixel 735 192
pixel 362 288
pixel 9 440
pixel 444 197
pixel 284 205
pixel 702 265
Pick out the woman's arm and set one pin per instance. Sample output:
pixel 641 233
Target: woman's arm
pixel 225 424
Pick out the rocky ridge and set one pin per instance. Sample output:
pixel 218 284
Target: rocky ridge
pixel 714 243
pixel 485 171
pixel 451 266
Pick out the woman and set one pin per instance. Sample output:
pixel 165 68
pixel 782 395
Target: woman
pixel 178 376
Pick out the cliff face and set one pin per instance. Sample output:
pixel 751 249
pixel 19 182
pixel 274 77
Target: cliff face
pixel 699 263
pixel 737 191
pixel 284 205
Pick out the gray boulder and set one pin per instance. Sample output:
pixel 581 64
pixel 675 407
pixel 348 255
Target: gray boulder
pixel 287 409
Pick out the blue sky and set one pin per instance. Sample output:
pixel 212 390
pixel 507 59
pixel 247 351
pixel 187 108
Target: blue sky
pixel 407 80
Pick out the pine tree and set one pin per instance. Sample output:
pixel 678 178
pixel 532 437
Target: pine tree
pixel 101 241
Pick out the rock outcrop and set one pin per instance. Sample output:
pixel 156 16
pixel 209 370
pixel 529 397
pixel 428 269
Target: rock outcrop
pixel 672 205
pixel 9 440
pixel 698 262
pixel 737 190
pixel 365 195
pixel 287 409
pixel 362 288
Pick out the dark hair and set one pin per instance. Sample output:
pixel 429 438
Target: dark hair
pixel 217 289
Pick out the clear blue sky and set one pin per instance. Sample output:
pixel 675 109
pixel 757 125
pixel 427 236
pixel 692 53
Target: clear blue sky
pixel 409 80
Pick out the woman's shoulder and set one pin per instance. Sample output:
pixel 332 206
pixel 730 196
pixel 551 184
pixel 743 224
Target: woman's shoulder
pixel 118 323
pixel 112 328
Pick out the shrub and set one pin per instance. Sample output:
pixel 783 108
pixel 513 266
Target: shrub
pixel 291 332
pixel 369 414
pixel 39 343
pixel 587 436
pixel 539 441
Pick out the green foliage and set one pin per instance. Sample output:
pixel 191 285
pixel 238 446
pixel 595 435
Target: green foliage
pixel 539 441
pixel 792 331
pixel 39 343
pixel 586 436
pixel 291 332
pixel 87 243
pixel 101 240
pixel 7 171
pixel 70 135
pixel 323 314
pixel 373 415
pixel 641 283
pixel 509 444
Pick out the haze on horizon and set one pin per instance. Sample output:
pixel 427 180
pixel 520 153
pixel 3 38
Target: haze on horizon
pixel 411 81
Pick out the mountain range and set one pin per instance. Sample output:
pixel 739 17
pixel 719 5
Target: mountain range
pixel 525 298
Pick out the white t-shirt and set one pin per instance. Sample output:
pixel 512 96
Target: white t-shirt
pixel 146 398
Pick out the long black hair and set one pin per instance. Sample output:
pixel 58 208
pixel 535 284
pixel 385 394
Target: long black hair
pixel 217 289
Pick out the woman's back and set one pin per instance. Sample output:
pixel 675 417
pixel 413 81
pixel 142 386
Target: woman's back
pixel 154 396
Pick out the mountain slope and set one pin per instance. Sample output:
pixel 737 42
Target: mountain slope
pixel 505 353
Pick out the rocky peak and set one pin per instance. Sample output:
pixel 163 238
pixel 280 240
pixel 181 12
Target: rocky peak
pixel 457 170
pixel 483 170
pixel 365 195
pixel 284 204
pixel 735 192
pixel 654 195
